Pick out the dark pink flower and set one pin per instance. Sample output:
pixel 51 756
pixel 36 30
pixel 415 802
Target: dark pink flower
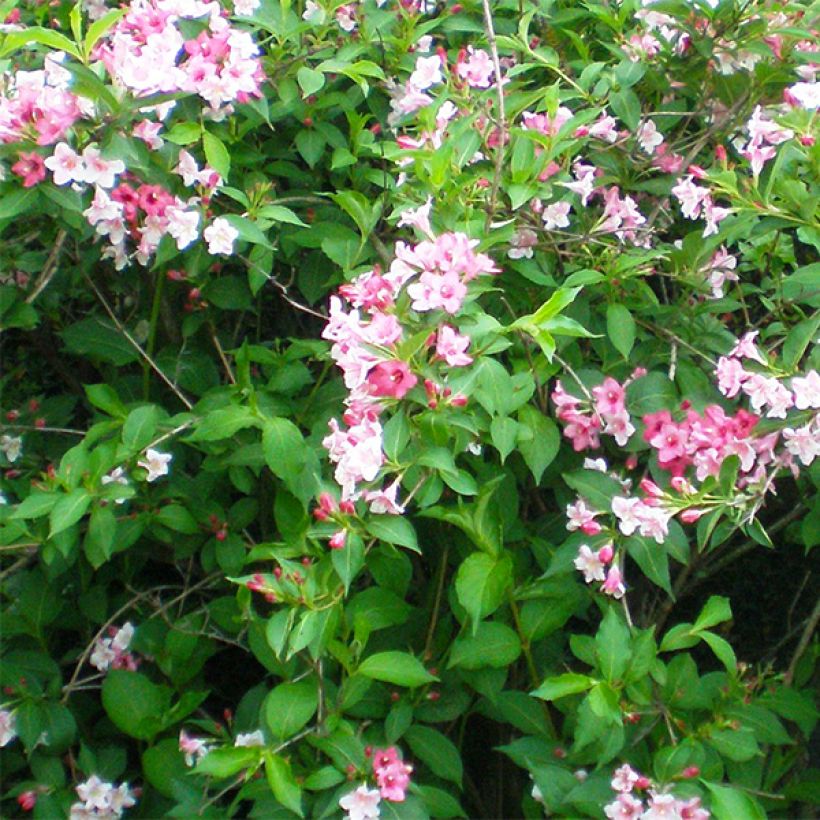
pixel 392 378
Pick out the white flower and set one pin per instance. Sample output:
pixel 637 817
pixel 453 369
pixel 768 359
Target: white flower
pixel 122 640
pixel 11 447
pixel 649 137
pixel 313 13
pixel 556 215
pixel 361 804
pixel 220 236
pixel 807 391
pixel 245 8
pixel 66 165
pixel 590 564
pixel 806 94
pixel 194 748
pixel 182 225
pixel 116 476
pixel 99 171
pixel 156 463
pixel 7 727
pixel 426 73
pixel 96 793
pixel 103 655
pixel 250 739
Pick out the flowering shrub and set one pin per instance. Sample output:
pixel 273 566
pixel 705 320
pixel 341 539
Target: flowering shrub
pixel 426 412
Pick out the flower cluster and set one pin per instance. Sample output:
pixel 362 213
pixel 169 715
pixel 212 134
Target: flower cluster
pixel 112 652
pixel 392 779
pixel 696 201
pixel 603 411
pixel 102 800
pixel 146 53
pixel 434 275
pixel 660 805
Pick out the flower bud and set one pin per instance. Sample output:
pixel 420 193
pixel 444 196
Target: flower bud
pixel 606 553
pixel 691 515
pixel 338 539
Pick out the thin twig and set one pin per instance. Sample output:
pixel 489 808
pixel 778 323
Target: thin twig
pixel 502 116
pixel 31 428
pixel 136 345
pixel 811 625
pixel 50 267
pixel 222 357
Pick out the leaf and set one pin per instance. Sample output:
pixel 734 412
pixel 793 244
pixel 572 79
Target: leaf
pixel 735 744
pixel 627 106
pixel 482 582
pixel 282 783
pixel 540 449
pixel 134 704
pixel 503 431
pixel 349 560
pixel 105 398
pixel 729 803
pixel 723 650
pixel 393 529
pixel 563 685
pixel 140 426
pixel 716 611
pixel 310 80
pixel 597 488
pixel 289 707
pixel 438 752
pixel 68 510
pixel 217 155
pixel 279 213
pixel 620 327
pixel 399 668
pixel 223 423
pixel 248 230
pixel 311 145
pixel 36 505
pixel 99 540
pixel 492 644
pixel 283 447
pixel 98 28
pixel 651 393
pixel 227 761
pixel 99 340
pixel 612 646
pixel 651 557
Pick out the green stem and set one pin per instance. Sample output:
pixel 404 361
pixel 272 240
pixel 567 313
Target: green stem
pixel 152 333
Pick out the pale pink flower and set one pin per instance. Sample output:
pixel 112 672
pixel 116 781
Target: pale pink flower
pixel 156 463
pixel 731 375
pixel 66 165
pixel 194 748
pixel 719 270
pixel 148 132
pixel 426 73
pixel 477 69
pixel 98 171
pixel 624 807
pixel 806 391
pixel 362 803
pixel 584 184
pixel 590 564
pixel 245 8
pixel 649 138
pixel 393 781
pixel 662 807
pixel 604 128
pixel 220 236
pixel 385 501
pixel 452 347
pixel 804 442
pixel 690 196
pixel 580 516
pixel 806 95
pixel 624 779
pixel 522 244
pixel 346 17
pixel 418 217
pixel 556 215
pixel 758 156
pixel 182 225
pixel 433 292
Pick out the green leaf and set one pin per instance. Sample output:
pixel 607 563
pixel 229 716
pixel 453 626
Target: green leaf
pixel 283 447
pixel 597 488
pixel 310 80
pixel 482 583
pixel 282 783
pixel 99 540
pixel 503 432
pixel 349 560
pixel 543 443
pixel 216 154
pixel 140 427
pixel 68 510
pixel 98 28
pixel 492 644
pixel 626 105
pixel 184 133
pixel 723 650
pixel 716 611
pixel 311 145
pixel 620 327
pixel 279 213
pixel 248 230
pixel 729 803
pixel 99 340
pixel 178 519
pixel 289 707
pixel 134 704
pixel 612 646
pixel 438 752
pixel 563 685
pixel 735 744
pixel 36 505
pixel 393 529
pixel 227 761
pixel 399 668
pixel 651 557
pixel 105 398
pixel 651 393
pixel 163 764
pixel 223 423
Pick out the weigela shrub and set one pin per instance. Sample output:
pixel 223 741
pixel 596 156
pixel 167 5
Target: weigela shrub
pixel 396 398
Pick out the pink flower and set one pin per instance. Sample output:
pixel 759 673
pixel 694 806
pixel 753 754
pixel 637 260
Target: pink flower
pixel 580 516
pixel 477 69
pixel 604 128
pixel 194 748
pixel 522 244
pixel 220 236
pixel 690 196
pixel 31 167
pixel 556 215
pixel 148 132
pixel 719 270
pixel 426 73
pixel 385 501
pixel 393 781
pixel 66 165
pixel 99 171
pixel 624 807
pixel 434 291
pixel 624 779
pixel 391 378
pixel 590 564
pixel 649 137
pixel 451 346
pixel 418 217
pixel 609 397
pixel 806 391
pixel 613 585
pixel 338 540
pixel 745 348
pixel 670 442
pixel 362 803
pixel 804 442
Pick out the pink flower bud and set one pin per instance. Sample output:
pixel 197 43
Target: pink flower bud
pixel 347 507
pixel 337 540
pixel 591 528
pixel 691 515
pixel 690 771
pixel 720 153
pixel 807 139
pixel 631 462
pixel 642 783
pixel 327 502
pixel 606 553
pixel 651 488
pixel 459 400
pixel 697 172
pixel 27 800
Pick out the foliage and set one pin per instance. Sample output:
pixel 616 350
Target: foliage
pixel 388 383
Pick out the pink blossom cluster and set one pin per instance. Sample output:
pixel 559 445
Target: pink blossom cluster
pixel 660 804
pixel 38 106
pixel 434 274
pixel 143 214
pixel 604 411
pixel 99 799
pixel 594 563
pixel 146 53
pixel 696 201
pixel 112 652
pixel 764 135
pixel 661 31
pixel 392 774
pixel 719 270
